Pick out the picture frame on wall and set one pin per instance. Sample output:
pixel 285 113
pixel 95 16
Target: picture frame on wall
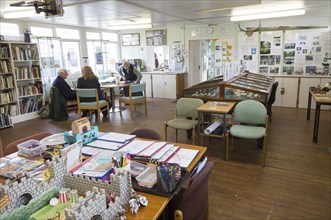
pixel 131 39
pixel 156 37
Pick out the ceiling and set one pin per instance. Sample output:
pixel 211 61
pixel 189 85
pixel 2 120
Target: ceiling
pixel 103 13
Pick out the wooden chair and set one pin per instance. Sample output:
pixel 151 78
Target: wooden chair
pixel 192 202
pixel 12 147
pixel 134 100
pixel 91 106
pixel 146 133
pixel 186 115
pixel 253 124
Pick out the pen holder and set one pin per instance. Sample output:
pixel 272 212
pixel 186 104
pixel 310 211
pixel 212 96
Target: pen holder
pixel 167 177
pixel 127 167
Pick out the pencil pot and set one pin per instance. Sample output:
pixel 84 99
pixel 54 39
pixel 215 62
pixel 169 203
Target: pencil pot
pixel 124 168
pixel 167 177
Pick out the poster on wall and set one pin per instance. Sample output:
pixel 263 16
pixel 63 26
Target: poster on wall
pixel 248 47
pixel 270 52
pixel 178 58
pixel 156 37
pixel 310 53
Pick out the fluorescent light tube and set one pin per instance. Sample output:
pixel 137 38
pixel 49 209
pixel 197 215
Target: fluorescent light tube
pixel 123 27
pixel 21 14
pixel 269 15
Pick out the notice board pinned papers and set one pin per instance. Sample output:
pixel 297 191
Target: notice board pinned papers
pixel 117 137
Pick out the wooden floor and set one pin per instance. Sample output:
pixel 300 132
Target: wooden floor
pixel 295 184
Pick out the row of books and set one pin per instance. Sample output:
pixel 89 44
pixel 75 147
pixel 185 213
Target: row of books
pixel 9 110
pixel 7 97
pixel 30 105
pixel 25 72
pixel 5 66
pixel 21 53
pixel 30 89
pixel 5 120
pixel 4 51
pixel 6 81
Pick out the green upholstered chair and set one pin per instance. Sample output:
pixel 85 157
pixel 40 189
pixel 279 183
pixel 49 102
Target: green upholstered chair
pixel 134 100
pixel 91 106
pixel 251 123
pixel 185 117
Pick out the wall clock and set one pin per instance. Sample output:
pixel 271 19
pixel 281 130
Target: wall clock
pixel 210 30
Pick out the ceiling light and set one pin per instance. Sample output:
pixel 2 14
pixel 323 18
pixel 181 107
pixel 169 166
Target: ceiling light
pixel 21 14
pixel 268 15
pixel 268 10
pixel 123 27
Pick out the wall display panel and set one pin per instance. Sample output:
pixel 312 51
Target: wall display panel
pixel 248 51
pixel 156 37
pixel 311 50
pixel 270 52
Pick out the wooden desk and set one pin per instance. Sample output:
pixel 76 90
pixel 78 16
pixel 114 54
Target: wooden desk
pixel 320 100
pixel 212 108
pixel 157 204
pixel 111 87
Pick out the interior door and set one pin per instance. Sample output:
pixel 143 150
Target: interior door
pixel 195 62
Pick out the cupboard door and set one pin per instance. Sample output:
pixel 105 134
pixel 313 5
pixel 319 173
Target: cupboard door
pixel 147 78
pixel 304 90
pixel 278 101
pixel 289 98
pixel 158 86
pixel 169 86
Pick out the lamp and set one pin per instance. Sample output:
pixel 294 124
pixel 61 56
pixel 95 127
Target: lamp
pixel 21 14
pixel 122 27
pixel 268 10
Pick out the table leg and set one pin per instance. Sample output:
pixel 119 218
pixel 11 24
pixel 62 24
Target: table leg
pixel 309 105
pixel 224 133
pixel 317 120
pixel 199 124
pixel 114 109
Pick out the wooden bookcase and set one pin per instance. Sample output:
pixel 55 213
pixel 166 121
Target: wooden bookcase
pixel 21 90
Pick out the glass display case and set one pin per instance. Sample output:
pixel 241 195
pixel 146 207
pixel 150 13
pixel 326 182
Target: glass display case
pixel 242 87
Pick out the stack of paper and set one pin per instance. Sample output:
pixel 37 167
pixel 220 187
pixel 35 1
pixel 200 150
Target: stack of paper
pixel 116 137
pixel 136 146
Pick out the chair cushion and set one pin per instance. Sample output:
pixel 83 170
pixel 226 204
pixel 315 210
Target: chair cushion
pixel 101 102
pixel 182 123
pixel 134 98
pixel 247 132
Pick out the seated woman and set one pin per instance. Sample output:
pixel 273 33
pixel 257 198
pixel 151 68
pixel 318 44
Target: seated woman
pixel 90 81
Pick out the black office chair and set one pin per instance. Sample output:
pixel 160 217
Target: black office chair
pixel 272 100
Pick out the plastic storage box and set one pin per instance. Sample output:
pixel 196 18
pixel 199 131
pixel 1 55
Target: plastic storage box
pixel 147 178
pixel 31 148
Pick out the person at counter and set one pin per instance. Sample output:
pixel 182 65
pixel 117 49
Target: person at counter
pixel 129 74
pixel 90 81
pixel 63 86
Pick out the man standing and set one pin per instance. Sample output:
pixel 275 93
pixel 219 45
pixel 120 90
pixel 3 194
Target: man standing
pixel 129 74
pixel 63 86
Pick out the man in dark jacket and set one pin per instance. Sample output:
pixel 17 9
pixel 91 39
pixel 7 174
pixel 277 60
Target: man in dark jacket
pixel 63 86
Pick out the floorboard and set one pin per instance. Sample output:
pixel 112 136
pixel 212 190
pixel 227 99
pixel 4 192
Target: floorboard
pixel 295 184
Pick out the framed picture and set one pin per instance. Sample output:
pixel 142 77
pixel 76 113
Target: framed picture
pixel 131 39
pixel 156 37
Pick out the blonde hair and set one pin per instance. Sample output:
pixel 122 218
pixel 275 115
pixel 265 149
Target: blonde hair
pixel 88 73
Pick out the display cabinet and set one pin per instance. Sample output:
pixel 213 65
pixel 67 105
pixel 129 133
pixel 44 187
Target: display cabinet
pixel 242 87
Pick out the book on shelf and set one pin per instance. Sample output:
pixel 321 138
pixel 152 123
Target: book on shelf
pixel 5 120
pixel 24 54
pixel 7 97
pixel 5 66
pixel 4 51
pixel 28 105
pixel 9 110
pixel 6 81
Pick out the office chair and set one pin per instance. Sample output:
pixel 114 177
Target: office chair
pixel 186 115
pixel 146 133
pixel 192 203
pixel 134 100
pixel 271 100
pixel 253 124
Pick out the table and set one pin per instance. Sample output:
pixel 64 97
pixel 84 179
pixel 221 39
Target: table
pixel 213 108
pixel 320 99
pixel 111 87
pixel 157 204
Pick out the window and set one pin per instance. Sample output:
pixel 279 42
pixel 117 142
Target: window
pixel 71 56
pixel 110 36
pixel 41 31
pixel 92 36
pixel 65 33
pixel 9 29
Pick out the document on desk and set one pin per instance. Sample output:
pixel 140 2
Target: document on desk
pixel 152 149
pixel 90 151
pixel 136 146
pixel 116 137
pixel 105 145
pixel 162 152
pixel 183 157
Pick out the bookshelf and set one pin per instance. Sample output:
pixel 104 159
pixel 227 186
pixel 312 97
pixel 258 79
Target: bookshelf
pixel 21 90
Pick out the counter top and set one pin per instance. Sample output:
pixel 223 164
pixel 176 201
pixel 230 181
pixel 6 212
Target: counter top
pixel 163 72
pixel 300 76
